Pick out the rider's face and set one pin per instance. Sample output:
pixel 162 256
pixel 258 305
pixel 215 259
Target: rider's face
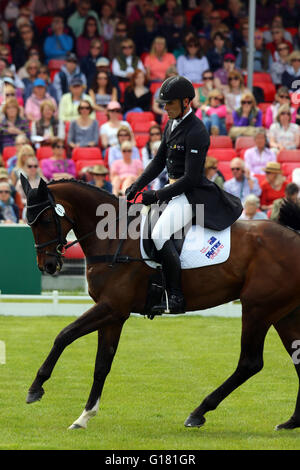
pixel 173 109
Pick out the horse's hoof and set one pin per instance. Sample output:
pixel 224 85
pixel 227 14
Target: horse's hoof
pixel 194 421
pixel 292 423
pixel 75 426
pixel 35 396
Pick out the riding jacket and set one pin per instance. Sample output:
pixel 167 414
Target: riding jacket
pixel 183 152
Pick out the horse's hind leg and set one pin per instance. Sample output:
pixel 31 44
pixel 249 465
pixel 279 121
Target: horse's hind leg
pixel 288 329
pixel 250 363
pixel 108 339
pixel 92 320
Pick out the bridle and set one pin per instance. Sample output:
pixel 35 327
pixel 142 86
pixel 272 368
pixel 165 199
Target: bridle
pixel 58 212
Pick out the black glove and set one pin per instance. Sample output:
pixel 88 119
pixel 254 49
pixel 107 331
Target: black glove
pixel 149 197
pixel 131 192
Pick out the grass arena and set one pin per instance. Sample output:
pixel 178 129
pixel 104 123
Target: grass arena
pixel 162 369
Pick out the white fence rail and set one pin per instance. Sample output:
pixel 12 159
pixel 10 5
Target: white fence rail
pixel 68 305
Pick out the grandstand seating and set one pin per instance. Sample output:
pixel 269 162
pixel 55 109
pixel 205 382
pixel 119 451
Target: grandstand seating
pixel 86 153
pixel 289 156
pixel 8 152
pixel 225 154
pixel 146 116
pixel 243 142
pixel 80 164
pixel 224 168
pixel 220 141
pixel 288 167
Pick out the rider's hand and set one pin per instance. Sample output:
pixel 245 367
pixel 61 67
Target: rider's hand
pixel 131 192
pixel 149 197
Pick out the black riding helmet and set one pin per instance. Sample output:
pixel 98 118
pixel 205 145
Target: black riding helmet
pixel 174 88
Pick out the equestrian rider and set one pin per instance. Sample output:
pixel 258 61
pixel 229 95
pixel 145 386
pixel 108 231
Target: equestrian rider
pixel 183 151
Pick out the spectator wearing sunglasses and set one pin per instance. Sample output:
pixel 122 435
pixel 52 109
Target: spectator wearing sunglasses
pixel 48 127
pixel 124 65
pixel 280 63
pixel 235 90
pixel 247 118
pixel 284 134
pixel 58 166
pixel 282 96
pixel 213 113
pixel 242 183
pixel 9 211
pixel 192 64
pixel 84 131
pixel 291 77
pixel 33 173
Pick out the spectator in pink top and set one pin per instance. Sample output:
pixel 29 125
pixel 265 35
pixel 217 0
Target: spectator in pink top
pixel 124 172
pixel 282 97
pixel 33 104
pixel 158 60
pixel 58 166
pixel 213 113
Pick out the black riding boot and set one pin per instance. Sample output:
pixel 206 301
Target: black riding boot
pixel 172 271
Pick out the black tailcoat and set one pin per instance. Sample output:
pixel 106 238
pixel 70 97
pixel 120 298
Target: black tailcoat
pixel 183 152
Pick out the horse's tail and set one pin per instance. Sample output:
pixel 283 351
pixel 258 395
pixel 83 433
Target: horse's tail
pixel 289 215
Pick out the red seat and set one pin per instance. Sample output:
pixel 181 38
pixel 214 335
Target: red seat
pixel 224 155
pixel 144 116
pixel 123 86
pixel 80 164
pixel 220 141
pixel 86 153
pixel 224 168
pixel 289 167
pixel 8 152
pixel 44 152
pixel 42 21
pixel 140 127
pixel 243 142
pixel 141 140
pixel 268 88
pixel 289 156
pixel 260 178
pixel 101 117
pixel 154 87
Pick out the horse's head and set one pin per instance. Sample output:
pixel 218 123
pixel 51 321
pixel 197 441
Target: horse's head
pixel 49 223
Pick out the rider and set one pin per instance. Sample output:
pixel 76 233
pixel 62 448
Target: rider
pixel 183 151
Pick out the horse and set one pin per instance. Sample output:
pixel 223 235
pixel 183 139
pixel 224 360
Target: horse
pixel 262 271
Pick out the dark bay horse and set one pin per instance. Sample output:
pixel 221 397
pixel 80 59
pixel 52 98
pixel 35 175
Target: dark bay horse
pixel 263 271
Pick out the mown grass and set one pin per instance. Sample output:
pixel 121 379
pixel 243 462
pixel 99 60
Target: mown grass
pixel 162 371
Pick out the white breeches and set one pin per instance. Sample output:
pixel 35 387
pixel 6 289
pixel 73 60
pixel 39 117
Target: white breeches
pixel 176 215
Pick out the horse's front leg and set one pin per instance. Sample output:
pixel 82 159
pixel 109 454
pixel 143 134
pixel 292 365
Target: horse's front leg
pixel 92 320
pixel 108 339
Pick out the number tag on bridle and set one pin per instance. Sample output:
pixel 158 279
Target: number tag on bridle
pixel 60 210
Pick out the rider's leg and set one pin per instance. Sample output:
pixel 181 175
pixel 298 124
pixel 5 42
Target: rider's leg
pixel 177 215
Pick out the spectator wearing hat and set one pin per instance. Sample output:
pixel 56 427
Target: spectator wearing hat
pixel 242 183
pixel 251 209
pixel 257 157
pixel 68 106
pixel 84 131
pixel 262 57
pixel 12 124
pixel 33 104
pixel 109 130
pixel 67 73
pixel 88 64
pixel 77 20
pixel 284 134
pixel 221 74
pixel 273 187
pixel 124 65
pixel 9 211
pixel 59 43
pixel 102 91
pixel 99 173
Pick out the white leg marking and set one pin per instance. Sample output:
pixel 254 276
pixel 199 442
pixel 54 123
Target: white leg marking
pixel 85 416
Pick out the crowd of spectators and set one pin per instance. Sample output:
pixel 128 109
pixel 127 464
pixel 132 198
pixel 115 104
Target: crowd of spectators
pixel 72 71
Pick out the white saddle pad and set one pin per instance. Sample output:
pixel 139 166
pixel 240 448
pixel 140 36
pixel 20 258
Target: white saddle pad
pixel 201 247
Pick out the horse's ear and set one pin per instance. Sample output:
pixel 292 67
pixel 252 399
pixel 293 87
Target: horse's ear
pixel 25 184
pixel 42 188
